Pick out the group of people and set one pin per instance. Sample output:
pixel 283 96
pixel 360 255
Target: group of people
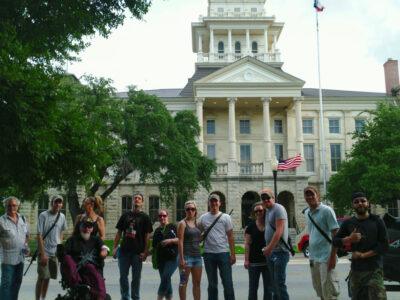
pixel 267 248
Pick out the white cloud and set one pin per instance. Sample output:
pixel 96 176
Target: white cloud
pixel 356 39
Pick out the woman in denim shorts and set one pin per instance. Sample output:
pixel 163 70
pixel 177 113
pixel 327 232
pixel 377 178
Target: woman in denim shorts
pixel 190 260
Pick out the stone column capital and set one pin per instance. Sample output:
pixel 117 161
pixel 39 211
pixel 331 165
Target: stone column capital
pixel 232 99
pixel 266 99
pixel 199 100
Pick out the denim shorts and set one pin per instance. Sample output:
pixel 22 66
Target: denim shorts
pixel 193 261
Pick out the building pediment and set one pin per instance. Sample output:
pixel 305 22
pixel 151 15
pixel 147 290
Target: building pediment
pixel 250 70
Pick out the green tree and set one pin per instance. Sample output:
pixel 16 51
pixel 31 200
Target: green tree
pixel 372 165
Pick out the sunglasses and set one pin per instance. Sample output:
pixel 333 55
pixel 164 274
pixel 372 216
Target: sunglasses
pixel 190 209
pixel 258 210
pixel 162 216
pixel 359 201
pixel 265 197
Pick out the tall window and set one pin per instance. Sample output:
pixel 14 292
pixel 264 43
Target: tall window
pixel 43 203
pixel 126 204
pixel 334 125
pixel 309 157
pixel 220 47
pixel 279 151
pixel 244 126
pixel 180 207
pixel 254 47
pixel 360 124
pixel 237 47
pixel 211 153
pixel 154 206
pixel 245 153
pixel 278 126
pixel 308 126
pixel 210 126
pixel 336 157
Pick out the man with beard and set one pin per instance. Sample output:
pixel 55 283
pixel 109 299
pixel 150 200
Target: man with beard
pixel 81 264
pixel 367 235
pixel 134 227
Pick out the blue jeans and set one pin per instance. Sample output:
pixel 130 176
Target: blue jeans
pixel 11 278
pixel 166 269
pixel 125 261
pixel 254 278
pixel 212 262
pixel 277 263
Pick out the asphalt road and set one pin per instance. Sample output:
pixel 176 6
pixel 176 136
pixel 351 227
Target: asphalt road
pixel 298 282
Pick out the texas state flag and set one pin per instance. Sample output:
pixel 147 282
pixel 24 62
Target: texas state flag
pixel 318 6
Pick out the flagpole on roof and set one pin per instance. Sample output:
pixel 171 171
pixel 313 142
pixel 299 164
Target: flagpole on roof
pixel 321 116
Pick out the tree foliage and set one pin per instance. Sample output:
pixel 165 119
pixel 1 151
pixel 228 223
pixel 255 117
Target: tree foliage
pixel 372 165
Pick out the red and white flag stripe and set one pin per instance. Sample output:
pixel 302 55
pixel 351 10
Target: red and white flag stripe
pixel 290 163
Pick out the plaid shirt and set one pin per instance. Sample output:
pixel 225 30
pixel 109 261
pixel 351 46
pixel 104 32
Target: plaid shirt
pixel 12 239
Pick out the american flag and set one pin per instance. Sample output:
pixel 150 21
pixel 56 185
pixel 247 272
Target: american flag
pixel 318 6
pixel 290 163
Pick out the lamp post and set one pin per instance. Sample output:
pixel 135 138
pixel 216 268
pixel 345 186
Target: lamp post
pixel 274 167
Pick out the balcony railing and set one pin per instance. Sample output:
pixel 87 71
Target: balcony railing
pixel 230 57
pixel 237 14
pixel 251 168
pixel 222 169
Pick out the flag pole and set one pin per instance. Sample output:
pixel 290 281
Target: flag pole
pixel 321 116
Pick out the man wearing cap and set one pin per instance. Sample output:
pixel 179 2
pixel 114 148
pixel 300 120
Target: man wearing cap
pixel 322 253
pixel 276 230
pixel 367 235
pixel 134 227
pixel 219 249
pixel 47 262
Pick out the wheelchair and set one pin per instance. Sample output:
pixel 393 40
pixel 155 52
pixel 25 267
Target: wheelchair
pixel 78 292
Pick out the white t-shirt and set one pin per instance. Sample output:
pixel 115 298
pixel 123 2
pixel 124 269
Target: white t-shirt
pixel 216 240
pixel 46 220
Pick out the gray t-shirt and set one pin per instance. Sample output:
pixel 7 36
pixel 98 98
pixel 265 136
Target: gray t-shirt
pixel 277 212
pixel 217 240
pixel 46 220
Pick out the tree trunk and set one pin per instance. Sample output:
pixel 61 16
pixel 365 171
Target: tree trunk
pixel 73 200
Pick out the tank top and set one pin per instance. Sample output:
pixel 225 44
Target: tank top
pixel 191 242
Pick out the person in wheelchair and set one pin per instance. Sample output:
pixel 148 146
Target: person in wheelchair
pixel 81 262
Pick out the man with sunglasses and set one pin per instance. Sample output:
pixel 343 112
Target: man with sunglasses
pixel 322 254
pixel 134 227
pixel 367 235
pixel 14 246
pixel 219 249
pixel 276 238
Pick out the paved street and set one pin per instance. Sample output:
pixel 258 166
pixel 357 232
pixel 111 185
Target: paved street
pixel 298 280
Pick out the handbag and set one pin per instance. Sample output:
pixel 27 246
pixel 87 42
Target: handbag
pixel 340 251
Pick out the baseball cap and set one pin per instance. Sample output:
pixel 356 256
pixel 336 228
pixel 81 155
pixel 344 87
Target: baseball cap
pixel 214 196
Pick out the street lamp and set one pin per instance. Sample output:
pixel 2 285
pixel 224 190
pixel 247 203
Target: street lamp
pixel 274 167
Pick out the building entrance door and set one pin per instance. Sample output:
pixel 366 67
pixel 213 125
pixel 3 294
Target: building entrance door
pixel 248 199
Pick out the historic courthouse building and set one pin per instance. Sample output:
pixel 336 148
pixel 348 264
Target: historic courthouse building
pixel 250 111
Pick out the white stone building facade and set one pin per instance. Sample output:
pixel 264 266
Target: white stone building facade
pixel 250 112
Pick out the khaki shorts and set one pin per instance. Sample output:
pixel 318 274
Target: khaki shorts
pixel 48 271
pixel 325 283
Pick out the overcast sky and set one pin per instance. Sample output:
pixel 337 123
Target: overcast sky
pixel 357 37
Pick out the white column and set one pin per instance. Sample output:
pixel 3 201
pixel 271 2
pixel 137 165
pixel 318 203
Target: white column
pixel 199 112
pixel 232 159
pixel 230 52
pixel 266 39
pixel 211 41
pixel 299 125
pixel 266 135
pixel 200 44
pixel 274 44
pixel 248 41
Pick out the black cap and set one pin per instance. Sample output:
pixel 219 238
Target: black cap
pixel 358 195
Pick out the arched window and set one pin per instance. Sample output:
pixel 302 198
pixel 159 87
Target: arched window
pixel 154 206
pixel 126 204
pixel 254 47
pixel 220 47
pixel 237 47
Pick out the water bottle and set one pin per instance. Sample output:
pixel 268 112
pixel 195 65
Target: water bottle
pixel 182 278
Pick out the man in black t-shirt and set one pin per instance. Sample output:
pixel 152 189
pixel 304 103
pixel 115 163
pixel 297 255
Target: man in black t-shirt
pixel 367 235
pixel 134 227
